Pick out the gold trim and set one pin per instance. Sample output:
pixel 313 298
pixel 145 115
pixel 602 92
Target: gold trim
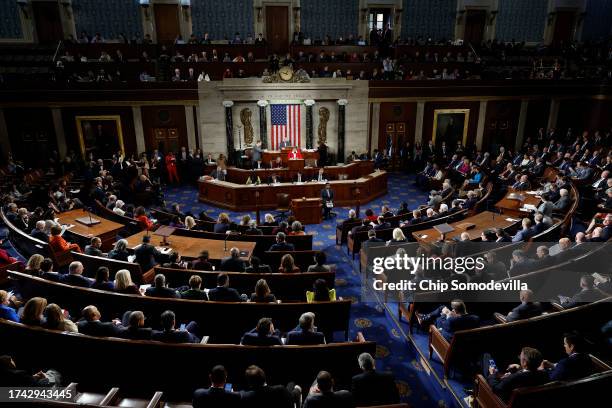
pixel 116 118
pixel 486 98
pixel 466 120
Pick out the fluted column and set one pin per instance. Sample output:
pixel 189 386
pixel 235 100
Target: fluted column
pixel 341 122
pixel 309 131
pixel 263 126
pixel 229 131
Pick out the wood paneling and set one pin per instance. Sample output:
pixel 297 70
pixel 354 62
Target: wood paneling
pixel 430 107
pixel 501 123
pixel 588 114
pixel 166 22
pixel 167 119
pixel 31 133
pixel 277 28
pixel 538 111
pixel 396 112
pixel 475 21
pixel 127 125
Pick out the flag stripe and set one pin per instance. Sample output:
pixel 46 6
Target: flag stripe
pixel 286 123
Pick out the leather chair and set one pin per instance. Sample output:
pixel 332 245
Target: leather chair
pixel 283 205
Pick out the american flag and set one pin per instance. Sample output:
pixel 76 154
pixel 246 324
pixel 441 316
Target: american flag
pixel 285 122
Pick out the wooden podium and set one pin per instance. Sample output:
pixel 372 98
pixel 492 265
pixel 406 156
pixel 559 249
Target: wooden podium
pixel 296 165
pixel 307 210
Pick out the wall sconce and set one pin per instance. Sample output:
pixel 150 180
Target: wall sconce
pixel 23 5
pixel 145 6
pixel 259 12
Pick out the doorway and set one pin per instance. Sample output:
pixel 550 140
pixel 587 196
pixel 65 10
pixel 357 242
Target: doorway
pixel 49 27
pixel 167 24
pixel 564 27
pixel 277 28
pixel 475 21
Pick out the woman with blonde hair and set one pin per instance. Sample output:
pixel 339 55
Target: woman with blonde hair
pixel 32 312
pixel 57 321
pixel 223 222
pixel 189 222
pixel 246 219
pixel 33 265
pixel 262 293
pixel 269 220
pixel 288 265
pixel 398 235
pixel 124 284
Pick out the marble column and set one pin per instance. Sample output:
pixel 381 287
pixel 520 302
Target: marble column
pixel 263 127
pixel 229 131
pixel 341 127
pixel 309 123
pixel 554 113
pixel 58 124
pixel 520 132
pixel 420 116
pixel 139 130
pixel 482 116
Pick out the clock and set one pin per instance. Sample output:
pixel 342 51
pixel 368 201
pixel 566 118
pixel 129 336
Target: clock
pixel 285 73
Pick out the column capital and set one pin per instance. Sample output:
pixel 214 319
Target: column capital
pixel 309 102
pixel 342 102
pixel 228 104
pixel 262 103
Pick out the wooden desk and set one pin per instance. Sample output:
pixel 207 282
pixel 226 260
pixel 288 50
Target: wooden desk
pixel 510 207
pixel 240 197
pixel 307 210
pixel 482 221
pixel 106 230
pixel 271 155
pixel 189 247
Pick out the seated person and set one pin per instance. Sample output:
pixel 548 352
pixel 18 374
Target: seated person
pixel 94 247
pixel 223 293
pixel 56 320
pixel 370 216
pixel 39 232
pixel 169 334
pixel 123 283
pixel 269 221
pixel 283 227
pixel 140 216
pixel 174 261
pixel 306 333
pixel 520 263
pixel 525 374
pixel 6 311
pixel 233 263
pixel 136 329
pixel 295 153
pixel 194 292
pixel 91 325
pixel 101 281
pixel 451 320
pixel 587 293
pixel 471 201
pixel 262 293
pixel 372 387
pixel 202 263
pixel 58 243
pixel 146 255
pixel 253 230
pixel 320 292
pixel 222 224
pixel 216 395
pixel 296 228
pixel 322 394
pixel 259 394
pixel 280 244
pixel 257 267
pixel 403 210
pixel 528 308
pixel 576 365
pixel 287 265
pixel 262 335
pixel 525 233
pixel 160 289
pixel 320 258
pixel 119 251
pixel 75 276
pixel 11 376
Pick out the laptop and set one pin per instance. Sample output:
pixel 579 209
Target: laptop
pixel 443 228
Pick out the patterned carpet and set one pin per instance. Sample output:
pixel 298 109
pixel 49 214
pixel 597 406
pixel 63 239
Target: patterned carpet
pixel 395 352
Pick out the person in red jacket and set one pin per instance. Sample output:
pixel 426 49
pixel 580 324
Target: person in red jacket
pixel 141 216
pixel 171 167
pixel 58 243
pixel 295 154
pixel 5 258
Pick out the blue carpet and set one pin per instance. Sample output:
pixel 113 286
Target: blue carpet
pixel 395 350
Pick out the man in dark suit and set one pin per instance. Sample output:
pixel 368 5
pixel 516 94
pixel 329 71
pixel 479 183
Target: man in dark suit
pixel 587 293
pixel 93 248
pixel 92 326
pixel 262 335
pixel 372 387
pixel 520 263
pixel 260 394
pixel 147 256
pixel 451 320
pixel 233 263
pixel 526 309
pixel 202 263
pixel 526 374
pixel 223 293
pixel 307 334
pixel 285 143
pixel 75 276
pixel 39 232
pixel 524 234
pixel 563 202
pixel 576 365
pixel 364 226
pixel 253 230
pixel 257 267
pixel 381 224
pixel 136 329
pixel 372 240
pixel 169 334
pixel 327 196
pixel 159 289
pixel 281 245
pixel 216 396
pixel 322 394
pixel 417 217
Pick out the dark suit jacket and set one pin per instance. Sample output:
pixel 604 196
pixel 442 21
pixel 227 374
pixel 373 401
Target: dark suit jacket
pixel 175 336
pixel 201 266
pixel 300 337
pixel 337 399
pixel 374 388
pixel 98 328
pixel 232 265
pixel 325 197
pixel 503 387
pixel 575 366
pixel 162 292
pixel 139 333
pixel 450 325
pixel 525 311
pixel 282 246
pixel 147 256
pixel 267 396
pixel 215 398
pixel 38 234
pixel 76 280
pixel 470 203
pixel 223 294
pixel 583 296
pixel 89 250
pixel 523 267
pixel 253 338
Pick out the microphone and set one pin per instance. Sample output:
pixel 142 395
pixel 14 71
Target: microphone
pixel 227 234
